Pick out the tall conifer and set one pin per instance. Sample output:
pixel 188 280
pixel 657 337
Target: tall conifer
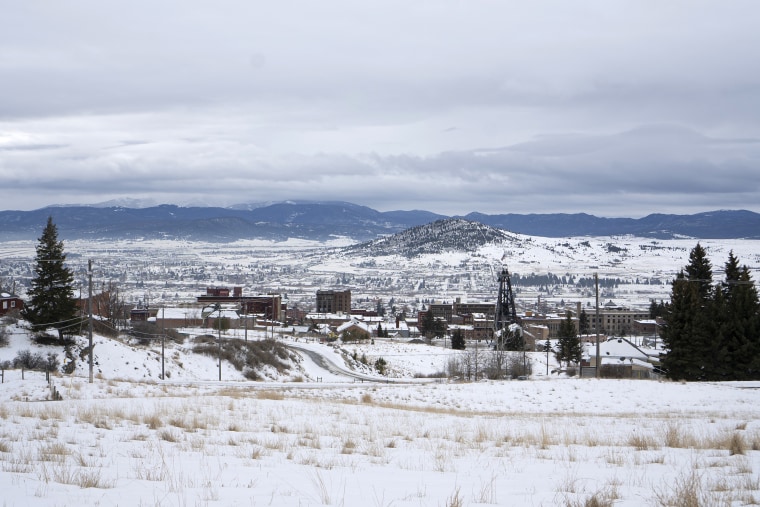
pixel 689 333
pixel 51 298
pixel 739 325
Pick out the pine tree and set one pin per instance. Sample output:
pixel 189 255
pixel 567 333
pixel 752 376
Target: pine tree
pixel 51 298
pixel 584 326
pixel 689 334
pixel 457 340
pixel 427 324
pixel 569 346
pixel 738 325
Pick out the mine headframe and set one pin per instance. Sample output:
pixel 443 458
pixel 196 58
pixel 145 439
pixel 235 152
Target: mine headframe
pixel 507 330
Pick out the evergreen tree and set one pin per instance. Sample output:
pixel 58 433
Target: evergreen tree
pixel 457 340
pixel 584 326
pixel 738 323
pixel 439 328
pixel 51 297
pixel 427 324
pixel 689 333
pixel 569 346
pixel 657 309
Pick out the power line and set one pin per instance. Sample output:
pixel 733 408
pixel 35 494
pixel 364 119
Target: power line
pixel 48 324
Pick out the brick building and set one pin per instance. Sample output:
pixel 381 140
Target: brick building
pixel 333 301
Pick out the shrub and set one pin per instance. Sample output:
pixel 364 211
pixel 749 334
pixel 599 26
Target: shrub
pixel 12 317
pixel 4 337
pixel 247 357
pixel 35 361
pixel 44 338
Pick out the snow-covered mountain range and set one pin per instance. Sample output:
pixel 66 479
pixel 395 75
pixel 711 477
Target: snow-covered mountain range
pixel 327 220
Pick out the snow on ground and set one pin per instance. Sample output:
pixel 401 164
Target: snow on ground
pixel 130 438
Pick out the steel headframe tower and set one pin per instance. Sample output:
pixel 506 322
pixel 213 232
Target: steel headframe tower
pixel 506 315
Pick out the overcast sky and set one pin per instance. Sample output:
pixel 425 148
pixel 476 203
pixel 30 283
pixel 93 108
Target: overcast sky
pixel 615 108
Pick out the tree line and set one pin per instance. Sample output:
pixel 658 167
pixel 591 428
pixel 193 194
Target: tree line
pixel 712 330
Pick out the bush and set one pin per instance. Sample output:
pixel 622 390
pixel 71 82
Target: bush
pixel 247 357
pixel 34 361
pixel 44 338
pixel 12 317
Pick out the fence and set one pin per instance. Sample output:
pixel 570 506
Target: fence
pixel 8 374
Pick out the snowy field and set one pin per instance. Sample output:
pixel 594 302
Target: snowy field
pixel 131 439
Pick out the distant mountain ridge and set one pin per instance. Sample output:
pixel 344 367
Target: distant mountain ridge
pixel 721 224
pixel 325 220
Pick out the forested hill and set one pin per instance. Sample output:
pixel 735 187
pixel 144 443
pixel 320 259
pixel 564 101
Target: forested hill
pixel 453 234
pixel 324 220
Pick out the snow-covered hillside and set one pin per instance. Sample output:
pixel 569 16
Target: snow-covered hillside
pixel 130 438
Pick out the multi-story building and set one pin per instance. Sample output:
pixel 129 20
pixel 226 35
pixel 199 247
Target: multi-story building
pixel 615 320
pixel 487 309
pixel 333 301
pixel 269 306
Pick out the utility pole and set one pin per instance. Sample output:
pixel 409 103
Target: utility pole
pixel 219 323
pixel 89 311
pixel 598 357
pixel 163 342
pixel 245 320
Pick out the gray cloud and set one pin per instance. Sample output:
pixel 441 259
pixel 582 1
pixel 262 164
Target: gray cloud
pixel 492 106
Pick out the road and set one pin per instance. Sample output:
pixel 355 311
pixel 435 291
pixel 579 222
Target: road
pixel 326 362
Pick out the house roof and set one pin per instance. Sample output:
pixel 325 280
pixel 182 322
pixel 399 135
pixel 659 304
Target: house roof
pixel 181 313
pixel 353 323
pixel 616 348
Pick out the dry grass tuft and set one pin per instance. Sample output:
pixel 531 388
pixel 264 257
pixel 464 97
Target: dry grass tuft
pixel 169 436
pixel 455 500
pixel 349 446
pixel 270 394
pixel 675 437
pixel 736 444
pixel 154 421
pixel 686 490
pixel 642 442
pixel 55 451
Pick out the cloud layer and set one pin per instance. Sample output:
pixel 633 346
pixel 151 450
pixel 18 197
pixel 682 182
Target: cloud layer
pixel 617 109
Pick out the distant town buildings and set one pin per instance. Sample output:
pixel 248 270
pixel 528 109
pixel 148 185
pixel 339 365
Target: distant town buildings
pixel 333 301
pixel 616 320
pixel 269 306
